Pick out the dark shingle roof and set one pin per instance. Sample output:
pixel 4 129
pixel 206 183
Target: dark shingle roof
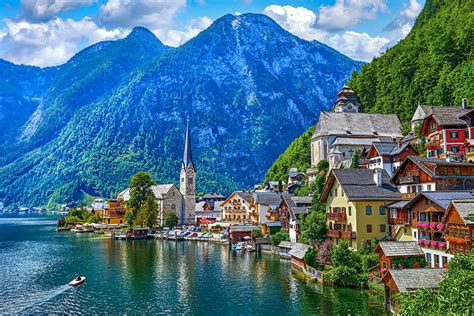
pixel 465 209
pixel 398 204
pixel 286 244
pixel 298 250
pixel 302 200
pixel 429 164
pixel 447 115
pixel 400 248
pixel 359 124
pixel 245 195
pixel 442 198
pixel 267 198
pixel 408 280
pixel 385 148
pixel 358 184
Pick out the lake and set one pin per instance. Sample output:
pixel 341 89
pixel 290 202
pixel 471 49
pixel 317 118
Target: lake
pixel 153 276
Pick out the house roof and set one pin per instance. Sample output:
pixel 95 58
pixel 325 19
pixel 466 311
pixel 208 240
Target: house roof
pixel 465 209
pixel 267 198
pixel 245 195
pixel 390 148
pixel 158 191
pixel 286 244
pixel 298 250
pixel 420 113
pixel 442 198
pixel 357 124
pixel 200 206
pixel 408 280
pixel 243 228
pixel 448 115
pixel 358 184
pixel 300 200
pixel 398 204
pixel 400 248
pixel 294 204
pixel 213 195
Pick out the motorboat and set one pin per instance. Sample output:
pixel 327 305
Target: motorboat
pixel 239 246
pixel 77 281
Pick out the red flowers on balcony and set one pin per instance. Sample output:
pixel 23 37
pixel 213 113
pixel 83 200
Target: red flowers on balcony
pixel 336 216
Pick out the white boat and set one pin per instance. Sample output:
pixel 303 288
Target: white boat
pixel 77 281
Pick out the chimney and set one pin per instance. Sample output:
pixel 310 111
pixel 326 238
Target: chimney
pixel 377 173
pixel 464 103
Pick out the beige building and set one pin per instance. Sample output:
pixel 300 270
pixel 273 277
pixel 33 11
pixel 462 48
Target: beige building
pixel 237 208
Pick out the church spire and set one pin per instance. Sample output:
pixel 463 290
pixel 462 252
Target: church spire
pixel 188 156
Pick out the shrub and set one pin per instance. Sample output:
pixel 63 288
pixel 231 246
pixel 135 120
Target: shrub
pixel 279 237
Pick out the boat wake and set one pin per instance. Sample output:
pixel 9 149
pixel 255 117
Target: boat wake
pixel 38 299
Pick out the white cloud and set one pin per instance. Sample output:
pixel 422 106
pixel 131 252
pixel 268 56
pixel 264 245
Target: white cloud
pixel 345 14
pixel 52 42
pixel 149 13
pixel 359 46
pixel 43 10
pixel 399 27
pixel 297 20
pixel 177 37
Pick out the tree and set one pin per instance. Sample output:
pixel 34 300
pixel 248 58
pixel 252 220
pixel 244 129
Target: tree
pixel 355 160
pixel 311 258
pixel 279 237
pixel 140 188
pixel 171 219
pixel 257 233
pixel 130 217
pixel 325 252
pixel 313 227
pixel 342 255
pixel 148 213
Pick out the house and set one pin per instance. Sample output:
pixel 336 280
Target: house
pixel 408 280
pixel 99 204
pixel 284 248
pixel 427 211
pixel 262 203
pixel 399 225
pixel 417 174
pixel 446 129
pixel 208 212
pixel 212 197
pixel 289 212
pixel 236 208
pixel 392 254
pixel 115 212
pixel 459 226
pixel 339 135
pixel 355 204
pixel 389 155
pixel 240 232
pixel 295 176
pixel 168 198
pixel 297 253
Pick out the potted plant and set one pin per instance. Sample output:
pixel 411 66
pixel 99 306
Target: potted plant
pixel 432 225
pixel 424 225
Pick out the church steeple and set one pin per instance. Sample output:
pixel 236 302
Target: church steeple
pixel 187 183
pixel 188 156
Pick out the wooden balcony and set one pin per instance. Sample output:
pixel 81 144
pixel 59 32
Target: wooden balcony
pixel 398 221
pixel 432 144
pixel 409 179
pixel 334 233
pixel 338 217
pixel 348 235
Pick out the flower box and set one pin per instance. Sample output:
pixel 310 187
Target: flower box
pixel 440 226
pixel 434 244
pixel 425 242
pixel 418 224
pixel 424 225
pixel 441 245
pixel 420 241
pixel 432 225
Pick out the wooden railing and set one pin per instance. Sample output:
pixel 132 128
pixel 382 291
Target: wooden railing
pixel 338 217
pixel 334 233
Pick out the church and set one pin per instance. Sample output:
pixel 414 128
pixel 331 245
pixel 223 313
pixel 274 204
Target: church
pixel 169 197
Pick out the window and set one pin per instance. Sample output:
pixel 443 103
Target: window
pixel 427 201
pixel 382 228
pixel 414 234
pixel 445 261
pixel 381 210
pixel 455 149
pixel 368 210
pixel 436 260
pixel 453 134
pixel 428 257
pixel 342 192
pixel 369 228
pixel 428 187
pixel 440 136
pixel 350 211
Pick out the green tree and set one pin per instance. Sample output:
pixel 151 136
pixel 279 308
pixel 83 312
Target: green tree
pixel 313 227
pixel 342 255
pixel 355 160
pixel 148 213
pixel 257 233
pixel 130 217
pixel 311 258
pixel 140 188
pixel 171 219
pixel 279 237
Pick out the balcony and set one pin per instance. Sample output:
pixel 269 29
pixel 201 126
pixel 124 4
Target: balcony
pixel 432 144
pixel 334 233
pixel 433 244
pixel 348 235
pixel 398 221
pixel 409 179
pixel 338 217
pixel 432 226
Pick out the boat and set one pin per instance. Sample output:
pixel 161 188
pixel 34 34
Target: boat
pixel 77 281
pixel 239 246
pixel 77 230
pixel 249 248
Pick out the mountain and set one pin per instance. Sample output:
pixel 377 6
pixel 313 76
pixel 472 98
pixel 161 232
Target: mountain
pixel 248 86
pixel 433 65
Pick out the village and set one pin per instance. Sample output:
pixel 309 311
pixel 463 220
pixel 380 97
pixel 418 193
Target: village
pixel 408 199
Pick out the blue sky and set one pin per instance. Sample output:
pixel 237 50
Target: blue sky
pixel 49 32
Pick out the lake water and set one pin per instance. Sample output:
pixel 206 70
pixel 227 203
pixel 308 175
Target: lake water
pixel 153 276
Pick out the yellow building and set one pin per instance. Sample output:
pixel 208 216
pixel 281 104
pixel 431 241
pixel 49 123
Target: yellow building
pixel 237 209
pixel 355 204
pixel 115 212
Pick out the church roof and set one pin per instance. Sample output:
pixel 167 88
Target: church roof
pixel 358 124
pixel 188 156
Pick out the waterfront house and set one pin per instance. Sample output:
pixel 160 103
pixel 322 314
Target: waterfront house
pixel 240 232
pixel 389 155
pixel 459 226
pixel 399 254
pixel 355 204
pixel 262 204
pixel 446 129
pixel 297 253
pixel 340 134
pixel 115 212
pixel 417 174
pixel 409 280
pixel 289 213
pixel 168 198
pixel 208 212
pixel 236 208
pixel 284 248
pixel 427 211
